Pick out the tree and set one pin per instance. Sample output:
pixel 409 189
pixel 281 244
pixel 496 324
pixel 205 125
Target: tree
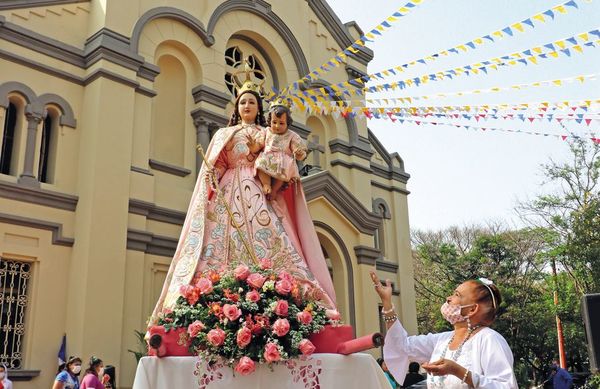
pixel 572 214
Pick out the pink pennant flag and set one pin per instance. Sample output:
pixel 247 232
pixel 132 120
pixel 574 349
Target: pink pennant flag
pixel 588 121
pixel 596 140
pixel 564 137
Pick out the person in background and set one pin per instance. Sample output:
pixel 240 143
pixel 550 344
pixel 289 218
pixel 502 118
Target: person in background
pixel 413 375
pixel 111 372
pixel 5 383
pixel 94 375
pixel 390 378
pixel 68 377
pixel 561 379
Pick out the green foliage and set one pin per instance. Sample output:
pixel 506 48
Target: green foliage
pixel 142 350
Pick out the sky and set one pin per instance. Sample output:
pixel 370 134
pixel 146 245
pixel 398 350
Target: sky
pixel 458 176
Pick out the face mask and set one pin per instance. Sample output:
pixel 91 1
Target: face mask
pixel 451 312
pixel 76 369
pixel 101 372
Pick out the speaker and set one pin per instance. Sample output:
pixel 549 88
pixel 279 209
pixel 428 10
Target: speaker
pixel 591 318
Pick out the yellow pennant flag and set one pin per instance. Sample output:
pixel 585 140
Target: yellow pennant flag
pixel 533 60
pixel 539 17
pixel 578 48
pixel 518 27
pixel 560 44
pixel 560 8
pixel 479 41
pixel 584 36
pixel 557 82
pixel 537 50
pixel 553 54
pixel 497 33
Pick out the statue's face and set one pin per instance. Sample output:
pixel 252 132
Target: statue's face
pixel 248 107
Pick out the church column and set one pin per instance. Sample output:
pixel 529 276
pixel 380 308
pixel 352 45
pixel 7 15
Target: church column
pixel 34 116
pixel 315 149
pixel 202 138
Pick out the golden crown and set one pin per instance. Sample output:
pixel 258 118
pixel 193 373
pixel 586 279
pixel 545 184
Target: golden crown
pixel 249 84
pixel 281 101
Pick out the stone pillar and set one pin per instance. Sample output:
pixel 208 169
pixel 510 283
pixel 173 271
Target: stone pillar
pixel 315 149
pixel 34 116
pixel 202 138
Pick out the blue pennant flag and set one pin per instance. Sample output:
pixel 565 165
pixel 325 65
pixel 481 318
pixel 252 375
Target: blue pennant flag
pixel 550 46
pixel 489 38
pixel 567 52
pixel 508 31
pixel 62 352
pixel 572 40
pixel 386 24
pixel 470 44
pixel 572 3
pixel 549 13
pixel 528 21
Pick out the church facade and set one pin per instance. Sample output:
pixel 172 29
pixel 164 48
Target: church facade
pixel 102 103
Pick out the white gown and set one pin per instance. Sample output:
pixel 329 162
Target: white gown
pixel 486 355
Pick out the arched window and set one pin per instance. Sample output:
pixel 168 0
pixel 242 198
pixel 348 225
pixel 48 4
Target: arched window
pixel 8 140
pixel 381 209
pixel 47 150
pixel 234 57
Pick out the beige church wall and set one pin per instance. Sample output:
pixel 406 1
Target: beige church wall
pixel 47 292
pixel 66 22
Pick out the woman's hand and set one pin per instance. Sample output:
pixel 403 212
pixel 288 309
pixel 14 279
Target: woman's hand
pixel 444 367
pixel 384 291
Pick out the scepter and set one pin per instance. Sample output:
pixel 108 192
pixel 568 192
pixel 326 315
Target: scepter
pixel 215 185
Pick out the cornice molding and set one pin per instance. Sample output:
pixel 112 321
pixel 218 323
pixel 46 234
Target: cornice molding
pixel 16 4
pixel 326 185
pixel 154 212
pixel 43 197
pixel 55 228
pixel 210 95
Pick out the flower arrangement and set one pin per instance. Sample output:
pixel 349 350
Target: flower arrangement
pixel 248 315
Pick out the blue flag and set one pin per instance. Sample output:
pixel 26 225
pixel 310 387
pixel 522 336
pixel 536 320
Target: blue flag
pixel 62 352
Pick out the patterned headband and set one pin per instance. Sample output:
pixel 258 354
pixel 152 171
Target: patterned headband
pixel 487 284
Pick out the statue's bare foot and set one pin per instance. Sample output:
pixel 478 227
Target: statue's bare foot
pixel 266 189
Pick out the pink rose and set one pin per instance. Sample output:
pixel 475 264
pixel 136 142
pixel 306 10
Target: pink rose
pixel 332 314
pixel 283 287
pixel 256 280
pixel 271 353
pixel 304 317
pixel 281 308
pixel 241 272
pixel 281 327
pixel 306 347
pixel 195 328
pixel 253 296
pixel 266 263
pixel 245 366
pixel 216 337
pixel 283 275
pixel 244 336
pixel 204 285
pixel 190 293
pixel 231 311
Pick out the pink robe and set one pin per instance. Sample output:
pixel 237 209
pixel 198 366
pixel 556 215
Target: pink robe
pixel 281 230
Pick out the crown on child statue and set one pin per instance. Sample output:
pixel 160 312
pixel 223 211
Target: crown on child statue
pixel 249 84
pixel 281 101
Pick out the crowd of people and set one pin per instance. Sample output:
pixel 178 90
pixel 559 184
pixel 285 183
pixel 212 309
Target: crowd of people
pixel 96 376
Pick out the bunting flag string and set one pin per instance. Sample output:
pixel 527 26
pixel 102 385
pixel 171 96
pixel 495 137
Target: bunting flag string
pixel 572 135
pixel 493 36
pixel 567 47
pixel 581 106
pixel 587 119
pixel 495 89
pixel 341 56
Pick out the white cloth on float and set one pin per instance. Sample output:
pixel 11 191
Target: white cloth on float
pixel 486 355
pixel 356 371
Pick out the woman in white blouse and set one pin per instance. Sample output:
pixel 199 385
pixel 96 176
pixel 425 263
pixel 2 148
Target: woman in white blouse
pixel 471 356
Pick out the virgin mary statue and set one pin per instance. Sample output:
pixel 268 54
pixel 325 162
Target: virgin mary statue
pixel 230 221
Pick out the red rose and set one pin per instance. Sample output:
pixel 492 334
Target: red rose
pixel 204 285
pixel 281 327
pixel 281 308
pixel 244 336
pixel 216 337
pixel 256 280
pixel 306 347
pixel 241 272
pixel 283 287
pixel 271 353
pixel 266 263
pixel 195 328
pixel 253 296
pixel 245 366
pixel 304 317
pixel 232 312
